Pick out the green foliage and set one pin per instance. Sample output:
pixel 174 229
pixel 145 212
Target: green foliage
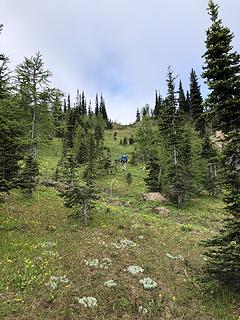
pixel 154 175
pixel 125 141
pixel 76 196
pixel 34 93
pixel 129 178
pixel 223 262
pixel 196 103
pixel 138 117
pixel 220 60
pixel 11 133
pixel 27 180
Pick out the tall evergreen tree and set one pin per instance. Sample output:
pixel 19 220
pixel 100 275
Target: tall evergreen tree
pixel 222 72
pixel 158 104
pixel 182 103
pixel 172 128
pixel 96 106
pixel 68 102
pixel 196 101
pixel 153 179
pixel 11 130
pixel 138 117
pixel 33 83
pixel 83 104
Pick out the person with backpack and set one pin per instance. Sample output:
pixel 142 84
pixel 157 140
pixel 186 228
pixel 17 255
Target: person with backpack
pixel 124 160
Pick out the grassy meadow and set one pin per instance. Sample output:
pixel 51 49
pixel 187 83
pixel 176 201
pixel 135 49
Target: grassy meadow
pixel 49 262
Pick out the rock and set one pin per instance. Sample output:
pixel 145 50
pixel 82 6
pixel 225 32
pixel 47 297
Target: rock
pixel 162 212
pixel 154 196
pixel 59 186
pixel 115 202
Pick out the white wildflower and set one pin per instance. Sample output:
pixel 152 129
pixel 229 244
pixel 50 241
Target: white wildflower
pixel 106 263
pixel 142 310
pixel 110 284
pixel 54 281
pixel 48 244
pixel 88 302
pixel 52 285
pixel 148 283
pixel 135 269
pixel 124 243
pixel 92 263
pixel 141 237
pixel 179 257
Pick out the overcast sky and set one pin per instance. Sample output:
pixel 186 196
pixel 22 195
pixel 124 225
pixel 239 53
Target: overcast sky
pixel 121 48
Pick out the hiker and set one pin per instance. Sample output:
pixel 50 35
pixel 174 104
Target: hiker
pixel 124 160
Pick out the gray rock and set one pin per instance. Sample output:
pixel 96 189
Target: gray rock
pixel 154 196
pixel 162 212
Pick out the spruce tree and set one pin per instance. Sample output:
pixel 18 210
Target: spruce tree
pixel 196 101
pixel 11 130
pixel 153 179
pixel 158 104
pixel 138 117
pixel 222 72
pixel 11 135
pixel 171 124
pixel 182 104
pixel 96 106
pixel 76 196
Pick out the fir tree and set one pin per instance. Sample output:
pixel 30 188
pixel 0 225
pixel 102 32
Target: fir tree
pixel 131 140
pixel 64 106
pixel 158 104
pixel 196 101
pixel 68 102
pixel 182 103
pixel 96 106
pixel 11 133
pixel 83 104
pixel 172 128
pixel 57 113
pixel 153 179
pixel 210 154
pixel 76 196
pixel 222 72
pixel 33 82
pixel 28 180
pixel 138 117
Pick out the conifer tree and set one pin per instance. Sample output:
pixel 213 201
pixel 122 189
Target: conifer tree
pixel 11 133
pixel 33 82
pixel 153 179
pixel 83 104
pixel 210 154
pixel 158 104
pixel 196 101
pixel 64 106
pixel 57 113
pixel 138 117
pixel 182 99
pixel 76 196
pixel 96 106
pixel 222 72
pixel 11 130
pixel 68 102
pixel 172 128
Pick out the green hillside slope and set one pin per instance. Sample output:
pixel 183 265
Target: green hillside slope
pixel 50 262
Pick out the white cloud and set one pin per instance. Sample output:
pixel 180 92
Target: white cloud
pixel 121 48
